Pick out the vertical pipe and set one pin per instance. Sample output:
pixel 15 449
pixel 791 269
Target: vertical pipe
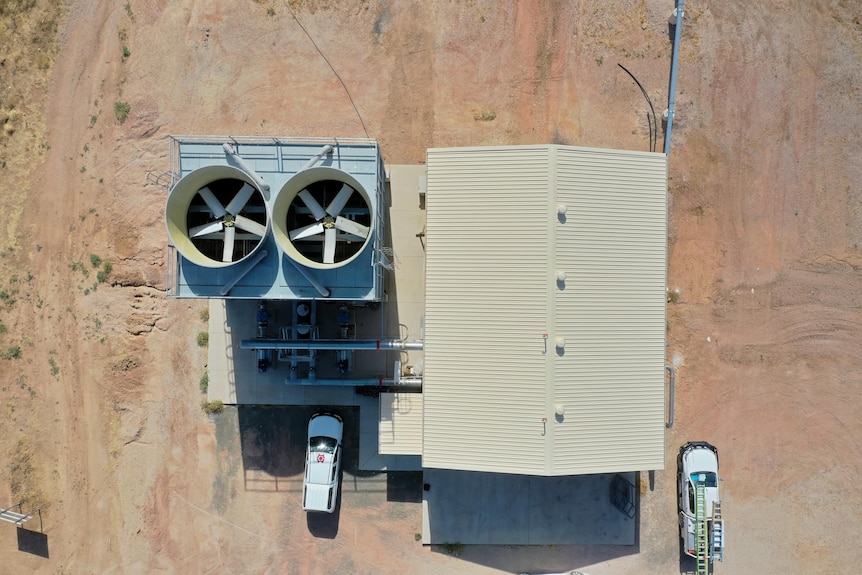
pixel 312 354
pixel 672 382
pixel 677 37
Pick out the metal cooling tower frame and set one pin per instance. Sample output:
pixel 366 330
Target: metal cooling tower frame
pixel 345 178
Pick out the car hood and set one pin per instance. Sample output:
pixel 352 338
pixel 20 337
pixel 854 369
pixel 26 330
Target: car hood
pixel 701 460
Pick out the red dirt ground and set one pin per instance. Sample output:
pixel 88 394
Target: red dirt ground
pixel 102 426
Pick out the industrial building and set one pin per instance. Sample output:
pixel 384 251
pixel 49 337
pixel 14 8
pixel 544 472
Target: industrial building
pixel 507 304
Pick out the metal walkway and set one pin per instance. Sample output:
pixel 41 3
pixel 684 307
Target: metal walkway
pixel 19 518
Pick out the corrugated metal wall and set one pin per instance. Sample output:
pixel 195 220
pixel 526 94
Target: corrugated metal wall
pixel 400 424
pixel 486 256
pixel 611 311
pixel 495 243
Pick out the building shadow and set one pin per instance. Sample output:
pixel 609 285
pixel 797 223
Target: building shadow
pixel 570 522
pixel 404 486
pixel 272 442
pixel 536 558
pixel 33 542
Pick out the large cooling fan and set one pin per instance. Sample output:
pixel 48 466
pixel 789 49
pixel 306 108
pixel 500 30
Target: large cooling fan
pixel 323 218
pixel 216 216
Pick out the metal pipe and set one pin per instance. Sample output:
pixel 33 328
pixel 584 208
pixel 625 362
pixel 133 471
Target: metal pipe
pixel 299 359
pixel 677 37
pixel 407 384
pixel 229 150
pixel 322 289
pixel 338 344
pixel 317 157
pixel 235 280
pixel 672 382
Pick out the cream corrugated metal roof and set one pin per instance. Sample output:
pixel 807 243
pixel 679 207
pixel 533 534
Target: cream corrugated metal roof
pixel 495 310
pixel 400 424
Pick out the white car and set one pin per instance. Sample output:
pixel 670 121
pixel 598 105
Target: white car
pixel 322 463
pixel 698 465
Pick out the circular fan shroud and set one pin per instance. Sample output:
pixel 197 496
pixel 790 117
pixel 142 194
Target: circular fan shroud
pixel 180 201
pixel 285 219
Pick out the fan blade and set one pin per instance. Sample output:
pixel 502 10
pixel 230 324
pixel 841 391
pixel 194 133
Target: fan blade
pixel 209 228
pixel 335 206
pixel 316 210
pixel 240 200
pixel 214 205
pixel 351 227
pixel 238 236
pixel 306 231
pixel 250 226
pixel 229 236
pixel 219 235
pixel 329 246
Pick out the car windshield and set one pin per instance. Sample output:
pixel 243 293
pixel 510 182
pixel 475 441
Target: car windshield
pixel 320 444
pixel 708 478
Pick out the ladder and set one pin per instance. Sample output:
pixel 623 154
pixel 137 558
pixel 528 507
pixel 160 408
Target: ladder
pixel 701 542
pixel 164 180
pixel 717 533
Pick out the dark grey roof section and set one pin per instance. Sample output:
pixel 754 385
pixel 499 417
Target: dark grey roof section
pixel 475 508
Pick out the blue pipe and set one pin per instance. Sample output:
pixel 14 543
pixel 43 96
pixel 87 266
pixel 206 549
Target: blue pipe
pixel 336 344
pixel 677 37
pixel 406 384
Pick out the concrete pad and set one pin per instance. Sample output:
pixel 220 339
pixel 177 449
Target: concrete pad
pixel 219 369
pixel 497 509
